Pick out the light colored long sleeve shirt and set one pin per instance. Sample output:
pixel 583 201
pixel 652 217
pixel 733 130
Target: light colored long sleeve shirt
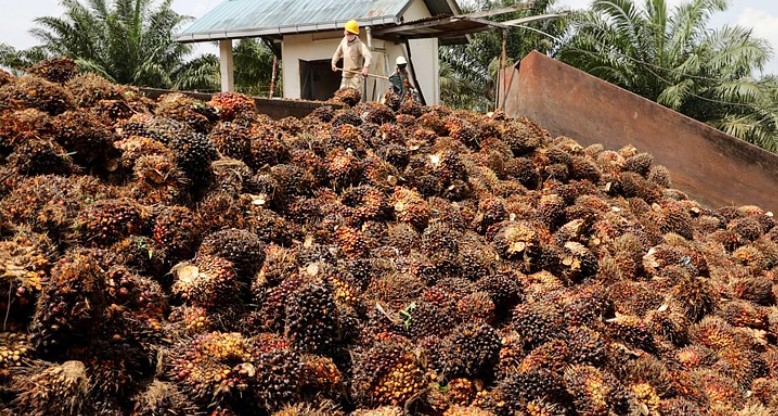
pixel 355 56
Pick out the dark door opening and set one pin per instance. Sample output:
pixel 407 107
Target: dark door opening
pixel 317 80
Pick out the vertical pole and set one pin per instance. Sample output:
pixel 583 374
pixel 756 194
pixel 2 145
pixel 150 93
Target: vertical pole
pixel 225 65
pixel 273 75
pixel 503 59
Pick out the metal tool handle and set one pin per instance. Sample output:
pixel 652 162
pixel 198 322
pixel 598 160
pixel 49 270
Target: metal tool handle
pixel 359 73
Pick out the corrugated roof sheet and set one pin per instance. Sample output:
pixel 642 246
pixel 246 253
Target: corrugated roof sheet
pixel 253 18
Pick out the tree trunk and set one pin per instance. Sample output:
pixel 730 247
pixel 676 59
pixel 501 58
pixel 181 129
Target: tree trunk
pixel 273 75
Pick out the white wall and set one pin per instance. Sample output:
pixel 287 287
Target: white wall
pixel 318 46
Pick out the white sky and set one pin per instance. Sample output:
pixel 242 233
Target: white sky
pixel 16 18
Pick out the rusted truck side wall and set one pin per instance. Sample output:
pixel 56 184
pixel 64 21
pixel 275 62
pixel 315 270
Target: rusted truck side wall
pixel 275 108
pixel 710 166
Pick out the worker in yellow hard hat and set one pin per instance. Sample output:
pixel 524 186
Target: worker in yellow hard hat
pixel 356 57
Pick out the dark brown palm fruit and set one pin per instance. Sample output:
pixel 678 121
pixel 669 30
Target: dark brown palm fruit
pixel 346 117
pixel 552 355
pixel 679 406
pixel 590 388
pixel 88 89
pixel 518 241
pixel 163 399
pixel 754 289
pixel 344 168
pixel 631 330
pixel 348 96
pixel 218 211
pixel 652 371
pixel 58 70
pixel 311 316
pixel 632 185
pixel 670 322
pixel 766 391
pixel 18 127
pixel 410 207
pixel 40 157
pixel 369 203
pixel 380 114
pixel 241 247
pixel 53 389
pixel 503 288
pixel 388 373
pixel 108 221
pixel 423 319
pixel 230 105
pixel 86 138
pixel 640 163
pixel 476 307
pixel 180 107
pixel 538 323
pixel 71 304
pixel 717 388
pixel 211 366
pixel 231 140
pixel 403 237
pixel 490 212
pixel 194 154
pixel 586 346
pixel 584 168
pixel 351 242
pixel 174 229
pixel 34 92
pixel 695 295
pixel 323 114
pixel 462 130
pixel 112 111
pixel 744 314
pixel 267 149
pixel 208 282
pixel 476 259
pixel 432 122
pixel 522 136
pixel 675 219
pixel 578 262
pixel 411 107
pixel 518 390
pixel 660 175
pixel 748 229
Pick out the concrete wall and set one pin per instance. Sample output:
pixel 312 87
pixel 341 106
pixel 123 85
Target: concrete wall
pixel 712 167
pixel 321 45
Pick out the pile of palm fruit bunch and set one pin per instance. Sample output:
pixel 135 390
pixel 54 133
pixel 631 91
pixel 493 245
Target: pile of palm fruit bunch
pixel 180 257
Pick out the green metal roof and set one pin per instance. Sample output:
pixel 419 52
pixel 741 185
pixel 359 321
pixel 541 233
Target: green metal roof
pixel 254 18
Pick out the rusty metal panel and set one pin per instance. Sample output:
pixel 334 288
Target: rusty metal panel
pixel 712 167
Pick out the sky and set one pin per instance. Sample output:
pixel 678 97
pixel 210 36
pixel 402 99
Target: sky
pixel 16 19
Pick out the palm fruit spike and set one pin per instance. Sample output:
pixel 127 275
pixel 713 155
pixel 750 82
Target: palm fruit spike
pixel 72 303
pixel 208 282
pixel 310 318
pixel 194 154
pixel 87 139
pixel 279 374
pixel 15 351
pixel 470 350
pixel 108 221
pixel 88 89
pixel 348 96
pixel 410 207
pixel 231 105
pixel 59 70
pixel 40 157
pixel 174 229
pixel 243 248
pixel 33 92
pixel 53 389
pixel 24 261
pixel 538 322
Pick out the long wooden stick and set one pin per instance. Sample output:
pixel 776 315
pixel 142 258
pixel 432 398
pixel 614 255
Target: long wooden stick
pixel 359 73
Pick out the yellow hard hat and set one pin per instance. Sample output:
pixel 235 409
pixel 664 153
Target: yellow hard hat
pixel 352 27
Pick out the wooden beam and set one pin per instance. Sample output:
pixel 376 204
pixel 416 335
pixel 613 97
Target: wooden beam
pixel 226 66
pixel 525 20
pixel 405 27
pixel 503 10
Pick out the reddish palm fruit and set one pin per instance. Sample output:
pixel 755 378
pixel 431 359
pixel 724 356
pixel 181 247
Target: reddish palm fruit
pixel 175 229
pixel 53 389
pixel 34 92
pixel 208 282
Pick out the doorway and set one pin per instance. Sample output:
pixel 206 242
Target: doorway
pixel 317 80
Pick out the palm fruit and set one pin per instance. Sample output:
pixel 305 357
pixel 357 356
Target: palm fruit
pixel 212 366
pixel 279 375
pixel 24 263
pixel 15 351
pixel 679 406
pixel 163 399
pixel 266 148
pixel 695 295
pixel 753 289
pixel 766 391
pixel 632 330
pixel 18 127
pixel 5 78
pixel 85 137
pixel 138 253
pixel 33 92
pixel 381 411
pixel 466 411
pixel 348 96
pixel 471 350
pixel 578 262
pixel 537 323
pixel 243 248
pixel 503 288
pixel 108 221
pixel 326 408
pixel 53 389
pixel 88 89
pixel 518 241
pixel 209 282
pixel 639 163
pixel 58 70
pixel 670 322
pixel 231 105
pixel 112 111
pixel 591 390
pixel 71 304
pixel 388 372
pixel 410 207
pixel 589 306
pixel 310 318
pixel 231 140
pixel 194 154
pixel 174 228
pixel 40 157
pixel 476 307
pixel 519 390
pixel 180 107
pixel 552 355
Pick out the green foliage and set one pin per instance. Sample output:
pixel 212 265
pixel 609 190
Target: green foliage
pixel 673 58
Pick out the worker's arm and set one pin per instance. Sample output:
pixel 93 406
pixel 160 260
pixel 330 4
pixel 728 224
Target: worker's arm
pixel 368 57
pixel 338 54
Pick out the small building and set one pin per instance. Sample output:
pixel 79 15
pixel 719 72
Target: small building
pixel 305 34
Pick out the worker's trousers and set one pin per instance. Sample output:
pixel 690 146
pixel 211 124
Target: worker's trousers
pixel 352 82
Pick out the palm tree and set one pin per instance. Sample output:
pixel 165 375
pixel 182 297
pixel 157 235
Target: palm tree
pixel 671 57
pixel 467 72
pixel 127 41
pixel 19 60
